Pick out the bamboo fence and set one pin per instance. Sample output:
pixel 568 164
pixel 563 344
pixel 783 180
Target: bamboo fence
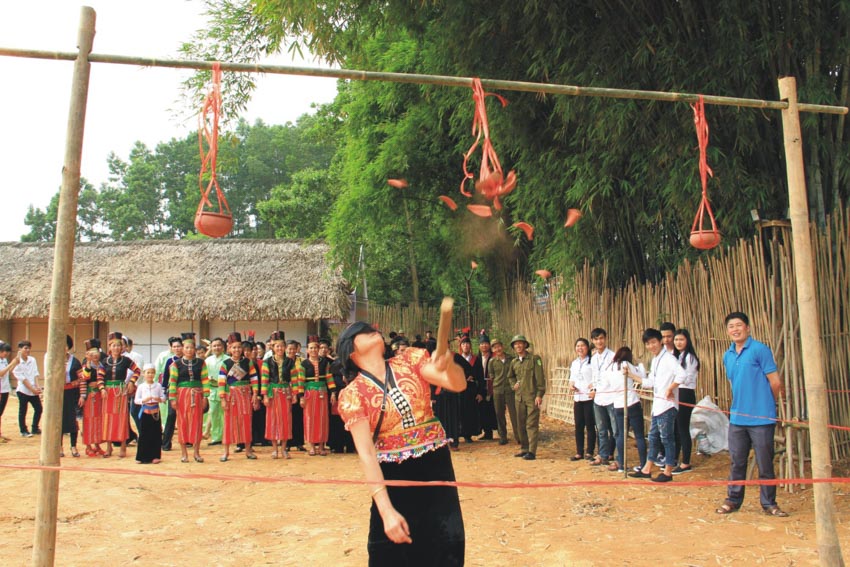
pixel 755 276
pixel 415 319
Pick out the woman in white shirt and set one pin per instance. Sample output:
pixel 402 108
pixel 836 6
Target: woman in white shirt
pixel 581 382
pixel 622 367
pixel 687 398
pixel 5 386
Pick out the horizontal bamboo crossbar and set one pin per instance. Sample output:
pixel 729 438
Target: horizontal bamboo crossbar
pixel 444 80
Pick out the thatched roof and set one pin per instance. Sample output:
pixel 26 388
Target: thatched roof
pixel 173 280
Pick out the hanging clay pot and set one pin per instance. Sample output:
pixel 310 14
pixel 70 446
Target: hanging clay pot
pixel 214 225
pixel 705 239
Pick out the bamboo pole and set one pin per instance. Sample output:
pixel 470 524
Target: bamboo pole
pixel 44 541
pixel 415 78
pixel 818 405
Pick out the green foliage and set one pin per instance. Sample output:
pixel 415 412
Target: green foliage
pixel 630 166
pixel 155 193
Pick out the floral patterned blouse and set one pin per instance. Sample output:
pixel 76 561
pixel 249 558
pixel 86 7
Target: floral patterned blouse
pixel 409 428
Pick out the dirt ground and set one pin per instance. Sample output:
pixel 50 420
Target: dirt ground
pixel 110 519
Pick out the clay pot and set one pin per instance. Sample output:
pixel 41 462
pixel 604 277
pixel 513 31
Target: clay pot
pixel 705 239
pixel 214 225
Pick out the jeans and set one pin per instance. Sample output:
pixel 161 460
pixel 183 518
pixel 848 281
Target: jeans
pixel 760 438
pixel 585 421
pixel 662 433
pixel 606 429
pixel 23 400
pixel 636 424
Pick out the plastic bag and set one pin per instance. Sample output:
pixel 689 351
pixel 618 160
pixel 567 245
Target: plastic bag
pixel 710 427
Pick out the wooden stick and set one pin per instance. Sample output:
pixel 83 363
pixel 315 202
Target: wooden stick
pixel 445 327
pixel 829 546
pixel 44 542
pixel 444 80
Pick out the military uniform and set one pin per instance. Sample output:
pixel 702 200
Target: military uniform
pixel 527 373
pixel 503 396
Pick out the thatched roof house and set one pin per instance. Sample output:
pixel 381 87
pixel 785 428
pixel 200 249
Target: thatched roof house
pixel 178 280
pixel 155 287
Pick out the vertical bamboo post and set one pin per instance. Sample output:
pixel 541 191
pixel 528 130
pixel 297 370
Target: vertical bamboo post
pixel 44 542
pixel 828 545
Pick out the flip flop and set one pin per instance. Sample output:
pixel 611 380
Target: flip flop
pixel 251 456
pixel 198 459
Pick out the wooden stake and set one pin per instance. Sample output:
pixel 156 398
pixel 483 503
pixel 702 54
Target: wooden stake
pixel 828 544
pixel 44 542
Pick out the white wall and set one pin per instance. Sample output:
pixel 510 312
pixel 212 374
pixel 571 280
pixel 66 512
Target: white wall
pixel 151 337
pixel 262 329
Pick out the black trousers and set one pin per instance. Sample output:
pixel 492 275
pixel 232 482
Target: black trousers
pixel 683 424
pixel 23 401
pixel 585 426
pixel 170 424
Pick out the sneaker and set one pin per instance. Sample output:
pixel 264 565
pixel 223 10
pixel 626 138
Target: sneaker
pixel 680 470
pixel 662 478
pixel 521 454
pixel 26 434
pixel 529 457
pixel 36 431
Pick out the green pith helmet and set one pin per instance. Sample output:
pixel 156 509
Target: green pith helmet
pixel 518 338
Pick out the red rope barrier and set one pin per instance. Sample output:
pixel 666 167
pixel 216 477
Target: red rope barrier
pixel 405 483
pixel 727 412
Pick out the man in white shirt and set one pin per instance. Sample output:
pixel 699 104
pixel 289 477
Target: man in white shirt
pixel 603 401
pixel 6 368
pixel 28 391
pixel 665 376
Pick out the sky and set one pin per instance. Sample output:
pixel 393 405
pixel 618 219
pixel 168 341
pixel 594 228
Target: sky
pixel 125 103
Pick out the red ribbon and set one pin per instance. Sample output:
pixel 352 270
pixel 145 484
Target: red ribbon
pixel 208 120
pixel 490 165
pixel 704 170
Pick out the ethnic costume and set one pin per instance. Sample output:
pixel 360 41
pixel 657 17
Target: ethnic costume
pixel 276 382
pixel 189 385
pixel 112 379
pixel 239 381
pixel 93 406
pixel 71 398
pixel 411 444
pixel 316 381
pixel 214 418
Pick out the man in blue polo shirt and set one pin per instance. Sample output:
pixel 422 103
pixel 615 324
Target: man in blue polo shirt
pixel 756 388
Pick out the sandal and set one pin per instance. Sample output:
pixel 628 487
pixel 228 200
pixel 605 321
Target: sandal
pixel 576 457
pixel 286 455
pixel 614 467
pixel 184 459
pixel 776 511
pixel 199 459
pixel 90 453
pixel 74 452
pixel 275 455
pixel 252 456
pixel 224 458
pixel 727 508
pixel 312 453
pixel 598 462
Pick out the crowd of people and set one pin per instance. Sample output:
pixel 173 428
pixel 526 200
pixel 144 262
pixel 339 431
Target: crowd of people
pixel 242 393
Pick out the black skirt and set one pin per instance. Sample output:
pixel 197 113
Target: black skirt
pixel 69 410
pixel 150 438
pixel 432 513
